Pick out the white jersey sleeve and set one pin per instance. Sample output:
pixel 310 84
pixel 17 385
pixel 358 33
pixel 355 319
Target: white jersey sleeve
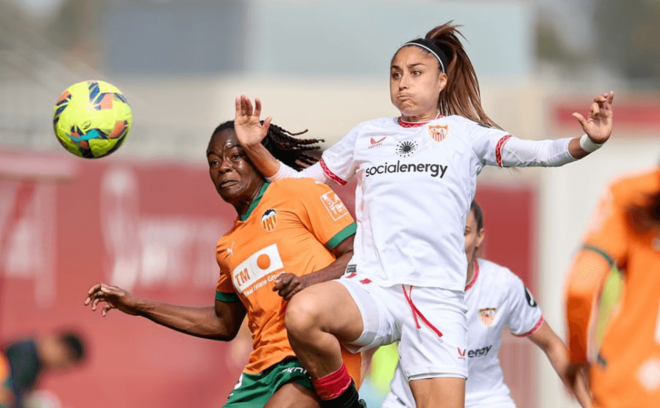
pixel 525 316
pixel 496 147
pixel 314 171
pixel 336 164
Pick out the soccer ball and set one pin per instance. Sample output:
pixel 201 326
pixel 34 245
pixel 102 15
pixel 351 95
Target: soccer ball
pixel 92 119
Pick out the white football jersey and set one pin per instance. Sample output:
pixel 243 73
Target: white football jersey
pixel 496 298
pixel 415 186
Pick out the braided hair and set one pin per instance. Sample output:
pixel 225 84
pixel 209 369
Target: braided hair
pixel 290 150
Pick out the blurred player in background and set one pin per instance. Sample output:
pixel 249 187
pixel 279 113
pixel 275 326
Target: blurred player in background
pixel 624 368
pixel 495 298
pixel 417 176
pixel 288 235
pixel 23 362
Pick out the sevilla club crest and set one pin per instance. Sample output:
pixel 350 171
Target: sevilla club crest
pixel 487 316
pixel 438 132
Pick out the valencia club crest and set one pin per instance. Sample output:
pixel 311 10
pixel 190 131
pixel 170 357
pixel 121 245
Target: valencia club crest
pixel 269 220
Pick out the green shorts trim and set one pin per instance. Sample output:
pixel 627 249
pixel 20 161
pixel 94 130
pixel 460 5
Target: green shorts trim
pixel 254 390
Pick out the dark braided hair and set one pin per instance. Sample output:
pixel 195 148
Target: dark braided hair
pixel 294 152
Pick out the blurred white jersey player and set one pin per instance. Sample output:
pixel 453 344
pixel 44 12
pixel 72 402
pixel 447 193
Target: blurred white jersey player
pixel 496 299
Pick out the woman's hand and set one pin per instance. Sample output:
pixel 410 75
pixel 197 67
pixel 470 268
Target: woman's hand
pixel 247 123
pixel 114 298
pixel 599 124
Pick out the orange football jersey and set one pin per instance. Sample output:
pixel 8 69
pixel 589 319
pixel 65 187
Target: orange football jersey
pixel 625 370
pixel 291 227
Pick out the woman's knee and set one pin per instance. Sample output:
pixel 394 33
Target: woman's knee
pixel 304 314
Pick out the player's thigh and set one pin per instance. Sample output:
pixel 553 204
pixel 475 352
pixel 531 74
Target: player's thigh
pixel 392 401
pixel 327 306
pixel 433 347
pixel 439 392
pixel 293 395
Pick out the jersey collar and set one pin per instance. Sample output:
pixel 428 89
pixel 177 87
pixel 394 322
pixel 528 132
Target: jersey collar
pixel 405 124
pixel 474 276
pixel 255 202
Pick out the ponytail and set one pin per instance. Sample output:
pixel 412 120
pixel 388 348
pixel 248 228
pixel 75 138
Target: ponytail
pixel 461 95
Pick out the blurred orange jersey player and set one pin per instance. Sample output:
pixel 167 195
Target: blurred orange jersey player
pixel 625 233
pixel 291 227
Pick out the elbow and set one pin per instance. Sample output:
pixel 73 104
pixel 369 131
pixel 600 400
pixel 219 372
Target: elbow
pixel 224 336
pixel 556 350
pixel 224 333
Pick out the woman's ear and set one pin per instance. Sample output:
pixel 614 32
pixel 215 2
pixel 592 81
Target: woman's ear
pixel 442 79
pixel 481 235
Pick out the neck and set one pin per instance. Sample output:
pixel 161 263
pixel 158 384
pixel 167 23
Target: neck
pixel 242 205
pixel 424 117
pixel 470 271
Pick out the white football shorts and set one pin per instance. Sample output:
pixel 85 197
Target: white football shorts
pixel 429 324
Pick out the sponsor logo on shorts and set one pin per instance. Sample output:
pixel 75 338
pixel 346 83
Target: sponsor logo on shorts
pixel 293 370
pixel 461 353
pixel 487 316
pixel 433 169
pixel 479 352
pixel 438 132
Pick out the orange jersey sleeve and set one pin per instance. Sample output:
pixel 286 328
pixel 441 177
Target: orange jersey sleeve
pixel 605 244
pixel 607 233
pixel 324 215
pixel 224 289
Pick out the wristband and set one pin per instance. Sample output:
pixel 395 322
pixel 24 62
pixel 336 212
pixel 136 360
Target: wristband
pixel 588 145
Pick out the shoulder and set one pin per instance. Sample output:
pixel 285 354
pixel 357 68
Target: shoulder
pixel 296 194
pixel 499 276
pixel 634 187
pixel 348 141
pixel 458 125
pixel 296 187
pixel 224 244
pixel 374 125
pixel 458 121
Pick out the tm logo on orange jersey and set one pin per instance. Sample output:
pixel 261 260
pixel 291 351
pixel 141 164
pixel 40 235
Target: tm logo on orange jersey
pixel 262 263
pixel 334 205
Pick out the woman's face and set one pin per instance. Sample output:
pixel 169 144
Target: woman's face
pixel 415 81
pixel 474 236
pixel 233 174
